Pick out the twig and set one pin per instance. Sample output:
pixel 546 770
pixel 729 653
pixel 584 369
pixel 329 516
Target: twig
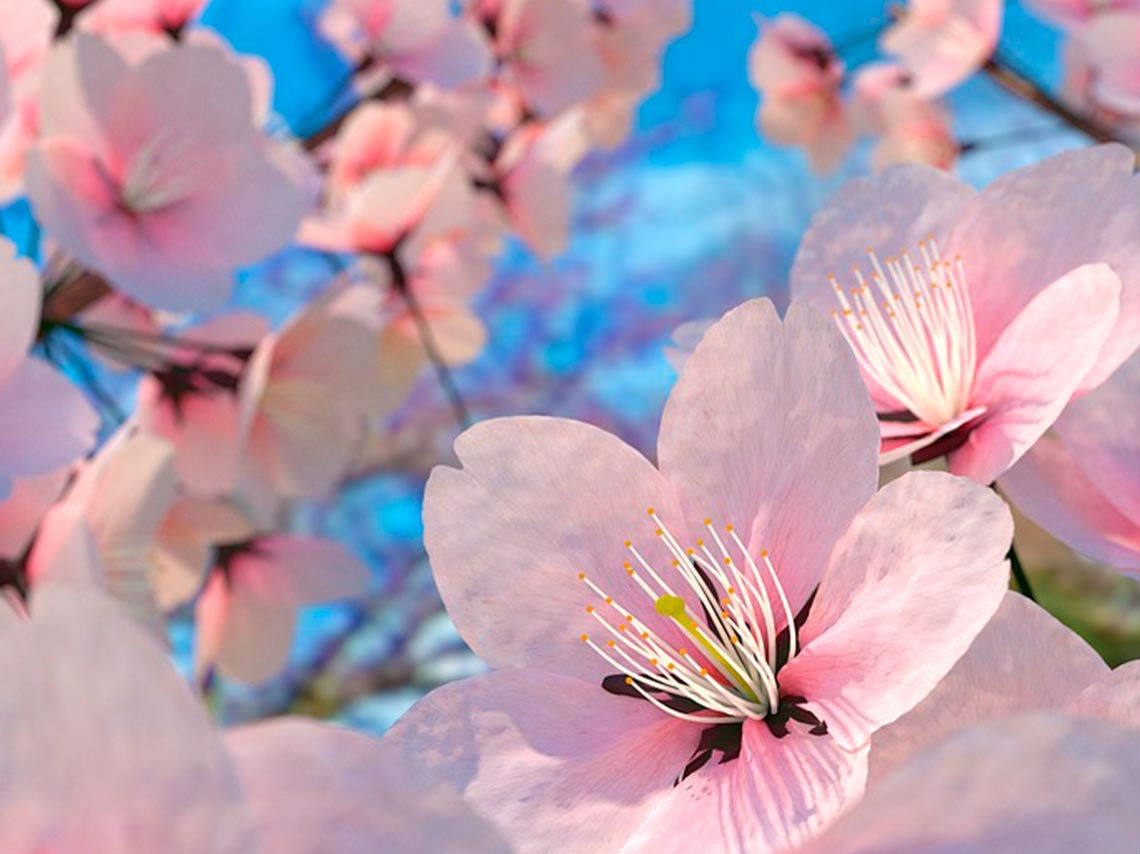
pixel 1019 574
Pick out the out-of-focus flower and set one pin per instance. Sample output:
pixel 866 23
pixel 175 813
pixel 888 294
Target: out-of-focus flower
pixel 660 695
pixel 420 40
pixel 151 16
pixel 156 776
pixel 24 508
pixel 1023 661
pixel 246 614
pixel 910 129
pixel 1043 782
pixel 24 42
pixel 1081 480
pixel 154 174
pixel 532 176
pixel 794 68
pixel 44 419
pixel 1107 60
pixel 1014 298
pixel 942 42
pixel 1072 13
pixel 548 54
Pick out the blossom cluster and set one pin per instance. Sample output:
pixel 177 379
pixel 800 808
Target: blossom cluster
pixel 801 626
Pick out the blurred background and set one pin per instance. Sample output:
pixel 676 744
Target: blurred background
pixel 692 215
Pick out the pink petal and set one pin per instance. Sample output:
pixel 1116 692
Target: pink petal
pixel 22 510
pixel 1025 784
pixel 1024 660
pixel 459 53
pixel 153 776
pixel 769 429
pixel 1024 385
pixel 246 635
pixel 537 501
pixel 44 419
pixel 1112 697
pixel 21 313
pixel 556 763
pixel 899 442
pixel 1051 487
pixel 941 43
pixel 314 787
pixel 299 571
pixel 911 583
pixel 779 793
pixel 1033 226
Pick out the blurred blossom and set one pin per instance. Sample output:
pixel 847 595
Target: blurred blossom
pixel 44 419
pixel 152 16
pixel 157 177
pixel 993 308
pixel 941 42
pixel 609 742
pixel 910 129
pixel 110 752
pixel 795 69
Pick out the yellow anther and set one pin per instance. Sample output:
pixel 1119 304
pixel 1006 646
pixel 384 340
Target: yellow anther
pixel 611 642
pixel 763 553
pixel 589 609
pixel 629 572
pixel 676 562
pixel 727 561
pixel 621 627
pixel 650 511
pixel 704 671
pixel 585 637
pixel 700 544
pixel 669 666
pixel 581 576
pixel 708 521
pixel 682 651
pixel 609 600
pixel 689 551
pixel 629 680
pixel 644 635
pixel 653 662
pixel 732 591
pixel 728 528
pixel 659 532
pixel 628 543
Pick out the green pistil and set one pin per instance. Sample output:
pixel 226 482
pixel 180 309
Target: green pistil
pixel 674 607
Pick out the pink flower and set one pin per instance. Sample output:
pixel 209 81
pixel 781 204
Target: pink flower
pixel 1042 782
pixel 794 68
pixel 1105 50
pixel 108 751
pixel 154 174
pixel 997 307
pixel 1072 13
pixel 246 614
pixel 24 42
pixel 1081 480
pixel 910 129
pixel 44 419
pixel 655 696
pixel 942 42
pixel 548 53
pixel 152 16
pixel 421 40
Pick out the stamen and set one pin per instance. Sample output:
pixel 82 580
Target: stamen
pixel 912 328
pixel 730 672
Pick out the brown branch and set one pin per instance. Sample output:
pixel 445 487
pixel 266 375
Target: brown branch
pixel 1013 80
pixel 66 300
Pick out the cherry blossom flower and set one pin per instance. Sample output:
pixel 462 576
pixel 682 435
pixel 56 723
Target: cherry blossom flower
pixel 1072 13
pixel 1023 661
pixel 24 42
pixel 421 41
pixel 993 308
pixel 1104 49
pixel 661 695
pixel 1041 782
pixel 44 419
pixel 942 42
pixel 246 614
pixel 1081 480
pixel 910 129
pixel 155 775
pixel 154 174
pixel 151 16
pixel 794 68
pixel 548 54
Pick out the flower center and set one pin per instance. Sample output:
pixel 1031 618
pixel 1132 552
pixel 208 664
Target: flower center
pixel 159 175
pixel 716 594
pixel 912 329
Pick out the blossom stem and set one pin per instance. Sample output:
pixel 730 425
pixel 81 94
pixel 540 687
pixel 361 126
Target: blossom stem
pixel 1003 71
pixel 1019 574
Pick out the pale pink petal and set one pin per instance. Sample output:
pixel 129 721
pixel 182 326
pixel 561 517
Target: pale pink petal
pixel 1024 660
pixel 1112 697
pixel 1051 487
pixel 941 42
pixel 556 763
pixel 153 775
pixel 911 583
pixel 246 635
pixel 1024 386
pixel 1101 430
pixel 64 551
pixel 1032 226
pixel 900 440
pixel 537 501
pixel 458 53
pixel 318 788
pixel 80 82
pixel 21 313
pixel 298 570
pixel 44 419
pixel 22 510
pixel 777 794
pixel 1043 783
pixel 769 429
